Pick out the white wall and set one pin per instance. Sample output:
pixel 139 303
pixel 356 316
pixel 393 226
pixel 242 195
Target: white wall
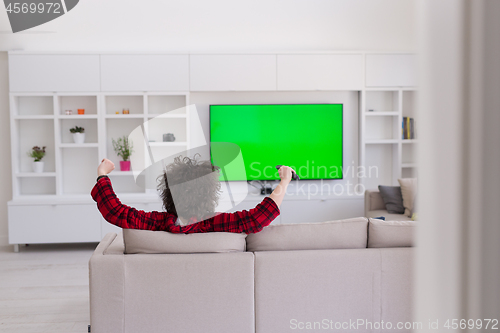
pixel 222 26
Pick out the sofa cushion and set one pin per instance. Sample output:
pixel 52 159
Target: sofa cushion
pixel 341 234
pixel 393 199
pixel 146 241
pixel 391 233
pixel 409 192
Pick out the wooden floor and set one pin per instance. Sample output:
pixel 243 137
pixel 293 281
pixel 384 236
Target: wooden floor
pixel 45 288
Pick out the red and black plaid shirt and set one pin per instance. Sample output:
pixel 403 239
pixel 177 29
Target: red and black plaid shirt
pixel 113 211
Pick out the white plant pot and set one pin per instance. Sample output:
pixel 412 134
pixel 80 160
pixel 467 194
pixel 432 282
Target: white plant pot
pixel 38 167
pixel 79 137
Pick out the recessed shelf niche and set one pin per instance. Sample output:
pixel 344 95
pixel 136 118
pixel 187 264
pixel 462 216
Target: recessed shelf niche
pixel 79 167
pixel 158 126
pixel 160 104
pixel 116 103
pixel 90 126
pixel 35 132
pixel 382 101
pixel 73 103
pixel 33 105
pixel 37 185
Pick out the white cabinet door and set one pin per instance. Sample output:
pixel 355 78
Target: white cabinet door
pixel 232 72
pixel 320 72
pixel 54 224
pixel 145 72
pixel 391 70
pixel 43 72
pixel 305 211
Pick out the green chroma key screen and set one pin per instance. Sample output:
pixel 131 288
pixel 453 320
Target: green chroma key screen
pixel 307 137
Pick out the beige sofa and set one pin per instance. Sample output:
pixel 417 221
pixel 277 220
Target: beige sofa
pixel 375 207
pixel 285 278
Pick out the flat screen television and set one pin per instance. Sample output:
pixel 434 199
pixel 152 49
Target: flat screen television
pixel 307 137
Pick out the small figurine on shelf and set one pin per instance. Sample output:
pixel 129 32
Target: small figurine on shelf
pixel 117 112
pixel 37 153
pixel 168 137
pixel 78 134
pixel 81 111
pixel 68 112
pixel 123 148
pixel 126 111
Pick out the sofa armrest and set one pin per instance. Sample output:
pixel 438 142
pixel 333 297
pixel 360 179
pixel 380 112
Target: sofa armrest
pixel 373 201
pixel 104 244
pixel 106 288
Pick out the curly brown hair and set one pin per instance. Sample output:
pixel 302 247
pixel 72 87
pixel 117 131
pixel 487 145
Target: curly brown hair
pixel 198 196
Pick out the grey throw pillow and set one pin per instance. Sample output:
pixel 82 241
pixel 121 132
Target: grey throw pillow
pixel 393 199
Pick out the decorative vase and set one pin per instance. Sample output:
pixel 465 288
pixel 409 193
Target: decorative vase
pixel 124 165
pixel 79 137
pixel 38 167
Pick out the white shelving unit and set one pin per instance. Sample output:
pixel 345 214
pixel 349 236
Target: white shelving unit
pixel 384 155
pixel 41 120
pixel 70 168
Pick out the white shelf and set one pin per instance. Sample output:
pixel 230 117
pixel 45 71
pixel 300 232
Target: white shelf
pixel 384 89
pixel 381 141
pixel 167 144
pixel 409 141
pixel 36 174
pixel 124 116
pixel 33 199
pixel 34 117
pixel 409 165
pixel 78 116
pixel 382 113
pixel 121 173
pixel 79 145
pixel 178 115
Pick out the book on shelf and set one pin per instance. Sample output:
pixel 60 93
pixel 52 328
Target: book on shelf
pixel 408 128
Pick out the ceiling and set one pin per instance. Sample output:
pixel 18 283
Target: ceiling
pixel 222 26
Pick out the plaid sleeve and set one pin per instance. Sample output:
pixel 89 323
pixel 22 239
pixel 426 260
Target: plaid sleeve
pixel 122 215
pixel 247 221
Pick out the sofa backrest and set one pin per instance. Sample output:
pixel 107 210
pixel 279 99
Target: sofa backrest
pixel 352 233
pixel 146 241
pixel 341 234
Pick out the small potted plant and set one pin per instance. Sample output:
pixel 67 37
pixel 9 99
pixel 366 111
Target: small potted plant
pixel 37 153
pixel 123 148
pixel 78 134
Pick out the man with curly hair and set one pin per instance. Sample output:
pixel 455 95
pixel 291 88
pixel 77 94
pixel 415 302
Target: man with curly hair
pixel 194 207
